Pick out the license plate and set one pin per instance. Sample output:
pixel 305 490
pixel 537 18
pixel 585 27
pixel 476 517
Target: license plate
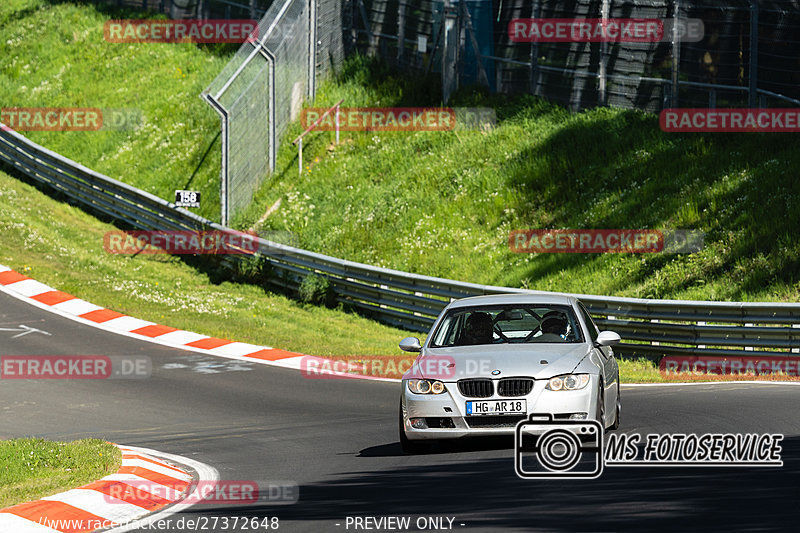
pixel 497 407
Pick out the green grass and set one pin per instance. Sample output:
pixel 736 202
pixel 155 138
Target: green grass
pixel 54 55
pixel 443 203
pixel 639 371
pixel 34 468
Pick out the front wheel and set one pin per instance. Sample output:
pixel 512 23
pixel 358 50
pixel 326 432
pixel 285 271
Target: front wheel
pixel 618 410
pixel 601 407
pixel 408 446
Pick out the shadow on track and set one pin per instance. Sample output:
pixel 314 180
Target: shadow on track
pixel 485 493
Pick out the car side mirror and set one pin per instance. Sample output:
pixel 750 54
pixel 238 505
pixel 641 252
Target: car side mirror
pixel 608 338
pixel 411 344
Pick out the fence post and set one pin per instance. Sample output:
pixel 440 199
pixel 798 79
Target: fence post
pixel 353 24
pixel 451 42
pixel 601 90
pixel 273 126
pixel 401 31
pixel 372 40
pixel 312 48
pixel 534 72
pixel 467 22
pixel 223 175
pixel 676 54
pixel 753 81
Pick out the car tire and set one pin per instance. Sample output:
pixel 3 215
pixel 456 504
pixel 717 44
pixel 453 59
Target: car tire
pixel 601 407
pixel 618 409
pixel 408 446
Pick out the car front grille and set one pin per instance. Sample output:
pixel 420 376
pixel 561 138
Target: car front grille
pixel 493 421
pixel 514 386
pixel 476 388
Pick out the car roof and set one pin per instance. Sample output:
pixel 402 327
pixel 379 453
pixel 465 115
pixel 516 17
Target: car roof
pixel 531 298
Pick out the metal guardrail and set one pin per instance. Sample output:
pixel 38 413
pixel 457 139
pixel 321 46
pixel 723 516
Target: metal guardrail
pixel 650 328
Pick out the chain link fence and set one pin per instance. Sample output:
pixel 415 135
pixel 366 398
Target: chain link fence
pixel 749 54
pixel 258 93
pixel 264 86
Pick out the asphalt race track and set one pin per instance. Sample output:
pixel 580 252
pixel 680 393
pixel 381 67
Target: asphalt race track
pixel 337 439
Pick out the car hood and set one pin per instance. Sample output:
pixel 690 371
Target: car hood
pixel 458 362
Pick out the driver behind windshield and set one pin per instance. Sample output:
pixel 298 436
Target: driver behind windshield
pixel 554 329
pixel 478 329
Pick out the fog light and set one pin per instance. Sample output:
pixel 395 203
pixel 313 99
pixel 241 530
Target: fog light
pixel 418 423
pixel 577 416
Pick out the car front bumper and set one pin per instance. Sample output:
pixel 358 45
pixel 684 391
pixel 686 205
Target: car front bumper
pixel 445 414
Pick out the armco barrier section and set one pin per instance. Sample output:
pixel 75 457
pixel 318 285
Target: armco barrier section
pixel 650 328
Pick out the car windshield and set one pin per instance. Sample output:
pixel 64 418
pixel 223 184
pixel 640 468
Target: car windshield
pixel 507 324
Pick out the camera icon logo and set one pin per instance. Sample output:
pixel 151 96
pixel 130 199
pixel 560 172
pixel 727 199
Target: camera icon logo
pixel 545 448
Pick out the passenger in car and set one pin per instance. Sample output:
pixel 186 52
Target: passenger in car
pixel 553 329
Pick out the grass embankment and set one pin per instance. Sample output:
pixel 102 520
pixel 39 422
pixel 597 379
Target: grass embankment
pixel 34 468
pixel 55 55
pixel 443 203
pixel 64 249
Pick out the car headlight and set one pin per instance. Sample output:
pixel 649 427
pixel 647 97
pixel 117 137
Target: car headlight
pixel 426 386
pixel 568 382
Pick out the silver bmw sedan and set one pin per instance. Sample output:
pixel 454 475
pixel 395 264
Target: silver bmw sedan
pixel 491 361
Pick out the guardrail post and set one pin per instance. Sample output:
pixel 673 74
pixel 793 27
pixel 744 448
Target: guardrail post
pixel 701 346
pixel 654 343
